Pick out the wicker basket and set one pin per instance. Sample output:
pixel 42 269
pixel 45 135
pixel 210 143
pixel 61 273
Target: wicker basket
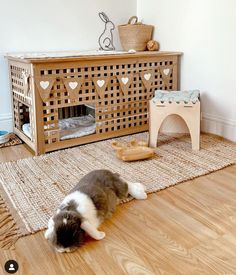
pixel 135 35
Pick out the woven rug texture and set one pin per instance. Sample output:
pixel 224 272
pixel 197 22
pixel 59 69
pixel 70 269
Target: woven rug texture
pixel 31 189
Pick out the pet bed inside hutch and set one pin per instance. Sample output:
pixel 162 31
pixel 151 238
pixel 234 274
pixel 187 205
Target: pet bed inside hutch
pixel 61 101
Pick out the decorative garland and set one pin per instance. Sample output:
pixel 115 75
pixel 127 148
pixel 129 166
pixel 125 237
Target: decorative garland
pixel 73 85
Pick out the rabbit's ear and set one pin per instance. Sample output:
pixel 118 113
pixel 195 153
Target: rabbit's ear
pixel 104 17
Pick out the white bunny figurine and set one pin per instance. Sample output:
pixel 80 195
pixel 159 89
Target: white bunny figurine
pixel 106 38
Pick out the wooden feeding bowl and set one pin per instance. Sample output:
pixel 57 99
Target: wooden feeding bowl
pixel 133 150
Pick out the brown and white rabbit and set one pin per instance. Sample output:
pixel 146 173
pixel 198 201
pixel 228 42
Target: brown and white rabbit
pixel 91 201
pixel 106 38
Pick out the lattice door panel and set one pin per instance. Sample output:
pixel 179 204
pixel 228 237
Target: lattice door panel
pixel 20 82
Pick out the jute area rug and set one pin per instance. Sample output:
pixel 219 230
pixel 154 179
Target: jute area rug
pixel 31 189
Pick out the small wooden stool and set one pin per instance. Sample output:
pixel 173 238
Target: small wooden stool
pixel 185 104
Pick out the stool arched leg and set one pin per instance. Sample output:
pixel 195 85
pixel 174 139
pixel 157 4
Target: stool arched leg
pixel 192 120
pixel 155 125
pixel 194 128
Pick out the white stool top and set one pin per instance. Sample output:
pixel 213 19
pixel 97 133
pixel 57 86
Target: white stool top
pixel 176 96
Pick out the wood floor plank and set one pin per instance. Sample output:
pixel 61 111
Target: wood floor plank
pixel 218 254
pixel 192 207
pixel 14 153
pixel 186 229
pixel 165 245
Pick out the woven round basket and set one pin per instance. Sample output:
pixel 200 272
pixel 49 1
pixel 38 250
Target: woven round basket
pixel 135 35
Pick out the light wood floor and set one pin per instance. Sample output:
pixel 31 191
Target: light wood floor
pixel 186 229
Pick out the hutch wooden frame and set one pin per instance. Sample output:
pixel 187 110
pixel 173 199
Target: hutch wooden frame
pixel 118 86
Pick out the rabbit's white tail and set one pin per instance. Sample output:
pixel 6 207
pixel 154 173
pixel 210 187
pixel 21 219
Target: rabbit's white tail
pixel 137 190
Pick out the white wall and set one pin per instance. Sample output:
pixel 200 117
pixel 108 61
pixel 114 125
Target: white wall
pixel 204 30
pixel 52 25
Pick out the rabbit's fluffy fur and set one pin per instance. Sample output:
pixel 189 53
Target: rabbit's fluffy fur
pixel 81 212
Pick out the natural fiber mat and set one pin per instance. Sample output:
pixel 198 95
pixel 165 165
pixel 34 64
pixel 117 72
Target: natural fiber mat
pixel 31 189
pixel 13 140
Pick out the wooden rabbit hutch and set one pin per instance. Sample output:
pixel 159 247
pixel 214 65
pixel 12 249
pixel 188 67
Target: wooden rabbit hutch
pixel 107 95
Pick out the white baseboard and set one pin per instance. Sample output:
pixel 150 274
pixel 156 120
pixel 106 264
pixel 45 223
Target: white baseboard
pixel 6 122
pixel 219 126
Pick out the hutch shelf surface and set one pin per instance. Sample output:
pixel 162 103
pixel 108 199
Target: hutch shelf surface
pixel 113 90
